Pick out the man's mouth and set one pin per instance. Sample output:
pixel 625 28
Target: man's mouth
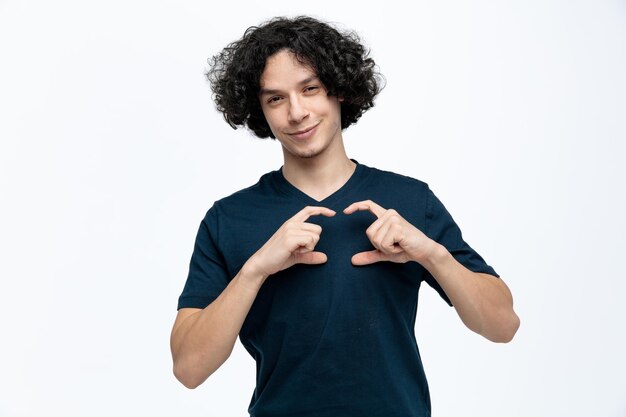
pixel 304 133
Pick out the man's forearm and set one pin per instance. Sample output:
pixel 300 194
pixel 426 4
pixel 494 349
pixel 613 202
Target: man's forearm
pixel 203 341
pixel 483 302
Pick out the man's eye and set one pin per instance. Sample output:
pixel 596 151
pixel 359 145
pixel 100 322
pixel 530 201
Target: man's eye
pixel 273 99
pixel 311 88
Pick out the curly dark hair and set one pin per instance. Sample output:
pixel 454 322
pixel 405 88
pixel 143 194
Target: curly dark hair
pixel 339 60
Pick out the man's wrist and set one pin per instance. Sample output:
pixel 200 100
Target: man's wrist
pixel 251 276
pixel 434 254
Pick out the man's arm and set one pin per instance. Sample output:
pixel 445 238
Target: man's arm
pixel 202 339
pixel 483 301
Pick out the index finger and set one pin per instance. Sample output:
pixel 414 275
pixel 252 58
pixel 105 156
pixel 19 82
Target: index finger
pixel 309 211
pixel 369 205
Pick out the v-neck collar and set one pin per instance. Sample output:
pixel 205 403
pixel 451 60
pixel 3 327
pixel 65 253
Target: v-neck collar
pixel 359 174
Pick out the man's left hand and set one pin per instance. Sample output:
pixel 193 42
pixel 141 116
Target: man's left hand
pixel 394 238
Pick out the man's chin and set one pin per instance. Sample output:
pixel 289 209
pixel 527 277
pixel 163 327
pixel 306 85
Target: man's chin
pixel 309 155
pixel 306 154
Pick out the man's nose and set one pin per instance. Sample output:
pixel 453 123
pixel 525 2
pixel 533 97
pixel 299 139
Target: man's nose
pixel 297 111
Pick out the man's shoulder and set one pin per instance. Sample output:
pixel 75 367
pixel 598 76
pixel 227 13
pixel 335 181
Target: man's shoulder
pixel 394 179
pixel 248 195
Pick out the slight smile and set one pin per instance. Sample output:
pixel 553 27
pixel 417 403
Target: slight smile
pixel 304 133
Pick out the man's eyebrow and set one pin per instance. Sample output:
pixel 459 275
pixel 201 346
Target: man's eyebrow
pixel 266 91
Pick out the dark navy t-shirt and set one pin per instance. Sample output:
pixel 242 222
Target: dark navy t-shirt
pixel 332 339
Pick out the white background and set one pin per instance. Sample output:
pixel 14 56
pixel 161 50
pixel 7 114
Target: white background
pixel 111 152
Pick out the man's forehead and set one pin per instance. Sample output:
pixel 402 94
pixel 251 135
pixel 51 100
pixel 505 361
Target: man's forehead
pixel 269 89
pixel 283 69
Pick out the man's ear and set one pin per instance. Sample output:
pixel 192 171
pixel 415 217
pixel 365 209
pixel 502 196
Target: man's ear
pixel 340 99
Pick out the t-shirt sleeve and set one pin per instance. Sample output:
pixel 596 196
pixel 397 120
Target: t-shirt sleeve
pixel 208 275
pixel 441 227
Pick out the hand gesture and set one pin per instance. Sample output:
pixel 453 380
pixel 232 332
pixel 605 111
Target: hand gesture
pixel 394 238
pixel 292 243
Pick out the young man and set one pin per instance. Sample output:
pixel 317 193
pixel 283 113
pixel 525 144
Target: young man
pixel 317 266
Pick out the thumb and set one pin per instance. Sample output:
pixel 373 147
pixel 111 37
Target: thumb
pixel 310 258
pixel 368 257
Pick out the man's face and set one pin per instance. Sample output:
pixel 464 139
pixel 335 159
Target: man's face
pixel 297 108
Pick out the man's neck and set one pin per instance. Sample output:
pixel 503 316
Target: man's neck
pixel 320 176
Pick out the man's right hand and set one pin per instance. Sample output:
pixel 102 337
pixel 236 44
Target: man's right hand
pixel 293 243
